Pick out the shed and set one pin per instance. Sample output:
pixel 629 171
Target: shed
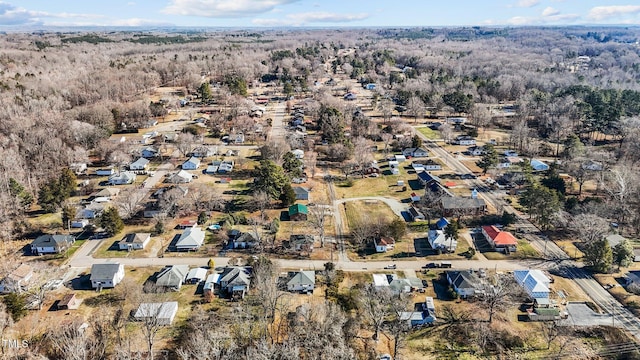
pixel 301 193
pixel 298 212
pixel 69 302
pixel 162 313
pixel 196 275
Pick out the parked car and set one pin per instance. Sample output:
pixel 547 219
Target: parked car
pixel 430 265
pixel 392 266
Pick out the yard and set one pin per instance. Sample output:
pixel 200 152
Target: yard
pixel 524 251
pixel 428 132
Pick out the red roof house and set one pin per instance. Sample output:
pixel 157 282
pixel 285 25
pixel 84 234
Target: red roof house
pixel 500 240
pixel 383 244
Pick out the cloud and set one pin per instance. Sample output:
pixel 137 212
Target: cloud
pixel 605 12
pixel 311 17
pixel 139 22
pixel 131 3
pixel 528 3
pixel 549 11
pixel 519 20
pixel 12 15
pixel 223 8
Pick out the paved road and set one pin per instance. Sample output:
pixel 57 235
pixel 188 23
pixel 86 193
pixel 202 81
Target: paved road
pixel 277 124
pixel 552 252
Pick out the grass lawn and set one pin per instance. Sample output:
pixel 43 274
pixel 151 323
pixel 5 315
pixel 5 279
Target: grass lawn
pixel 385 185
pixel 370 209
pixel 570 248
pixel 525 251
pixel 428 132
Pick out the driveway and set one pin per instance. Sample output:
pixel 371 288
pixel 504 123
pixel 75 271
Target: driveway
pixel 582 315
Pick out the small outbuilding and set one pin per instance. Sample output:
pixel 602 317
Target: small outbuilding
pixel 69 302
pixel 162 313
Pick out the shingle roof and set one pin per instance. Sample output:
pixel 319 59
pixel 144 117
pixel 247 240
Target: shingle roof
pixel 302 278
pixel 172 275
pixel 52 240
pixel 104 271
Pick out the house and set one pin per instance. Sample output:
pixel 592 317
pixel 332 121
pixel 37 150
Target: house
pixel 510 153
pixel 383 280
pixel 302 281
pixel 78 168
pixel 79 223
pixel 225 167
pixel 234 281
pixel 465 283
pixel 384 244
pixel 204 151
pixel 123 178
pixel 426 179
pixel 534 282
pixel 181 177
pixel 191 239
pixel 370 86
pixel 458 206
pixel 149 152
pixel 170 137
pixel 238 138
pixel 92 211
pixel 428 164
pixel 592 165
pixel 106 275
pixel 442 223
pixel 614 239
pixel 507 162
pixel 298 212
pixel 187 224
pixel 105 195
pixel 17 280
pixel 299 154
pixel 476 150
pixel 419 317
pixel 415 152
pixel 196 275
pixel 415 214
pixel 457 120
pixel 51 244
pixel 160 313
pixel 208 289
pixel 140 164
pixel 415 197
pixel 464 140
pixel 105 172
pixel 502 241
pixel 372 168
pixel 69 302
pixel 538 165
pixel 192 163
pixel 301 193
pixel 400 286
pixel 134 241
pixel 300 242
pixel 212 169
pixel 399 158
pixel 438 241
pixel 172 277
pixel 245 240
pixel 350 96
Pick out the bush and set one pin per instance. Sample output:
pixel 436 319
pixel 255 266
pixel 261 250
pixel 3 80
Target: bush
pixel 16 306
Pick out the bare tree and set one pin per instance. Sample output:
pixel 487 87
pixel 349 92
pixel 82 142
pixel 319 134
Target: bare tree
pixel 185 143
pixel 362 154
pixel 130 202
pixel 589 228
pixel 396 326
pixel 375 306
pixel 446 132
pixel 497 294
pixel 274 150
pixel 317 218
pixel 260 200
pixel 415 107
pixel 386 108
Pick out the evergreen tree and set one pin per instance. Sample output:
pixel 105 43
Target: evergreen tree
pixel 489 158
pixel 111 221
pixel 204 91
pixel 292 165
pixel 623 254
pixel 16 305
pixel 288 196
pixel 452 232
pixel 270 178
pixel 202 218
pixel 599 256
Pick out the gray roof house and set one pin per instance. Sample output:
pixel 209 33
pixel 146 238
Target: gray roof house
pixel 51 244
pixel 301 193
pixel 172 277
pixel 123 178
pixel 135 241
pixel 465 283
pixel 234 281
pixel 140 164
pixel 162 313
pixel 302 281
pixel 191 239
pixel 614 239
pixel 106 275
pixel 196 275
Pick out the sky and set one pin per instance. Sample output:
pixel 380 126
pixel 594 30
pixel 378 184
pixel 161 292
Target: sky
pixel 311 13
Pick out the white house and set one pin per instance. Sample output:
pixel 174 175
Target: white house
pixel 17 280
pixel 196 275
pixel 91 211
pixel 160 313
pixel 225 167
pixel 105 172
pixel 400 158
pixel 136 241
pixel 302 281
pixel 181 177
pixel 106 275
pixel 438 240
pixel 125 177
pixel 415 152
pixel 78 168
pixel 191 239
pixel 464 140
pixel 238 138
pixel 384 244
pixel 192 164
pixel 476 150
pixel 140 164
pixel 51 244
pixel 299 154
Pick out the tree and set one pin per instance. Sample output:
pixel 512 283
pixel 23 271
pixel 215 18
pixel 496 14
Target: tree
pixel 416 141
pixel 211 264
pixel 317 218
pixel 598 255
pixel 204 91
pixel 395 325
pixel 69 213
pixel 374 303
pixel 541 203
pixel 331 123
pixel 260 201
pixel 16 305
pixel 271 179
pixel 415 107
pixel 185 143
pixel 288 195
pixel 451 232
pixel 111 221
pixel 589 228
pixel 203 218
pixel 497 295
pixel 489 159
pixel 623 254
pixel 130 202
pixel 292 165
pixel 458 101
pixel 397 228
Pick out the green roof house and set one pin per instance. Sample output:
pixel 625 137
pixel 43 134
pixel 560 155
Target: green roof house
pixel 298 212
